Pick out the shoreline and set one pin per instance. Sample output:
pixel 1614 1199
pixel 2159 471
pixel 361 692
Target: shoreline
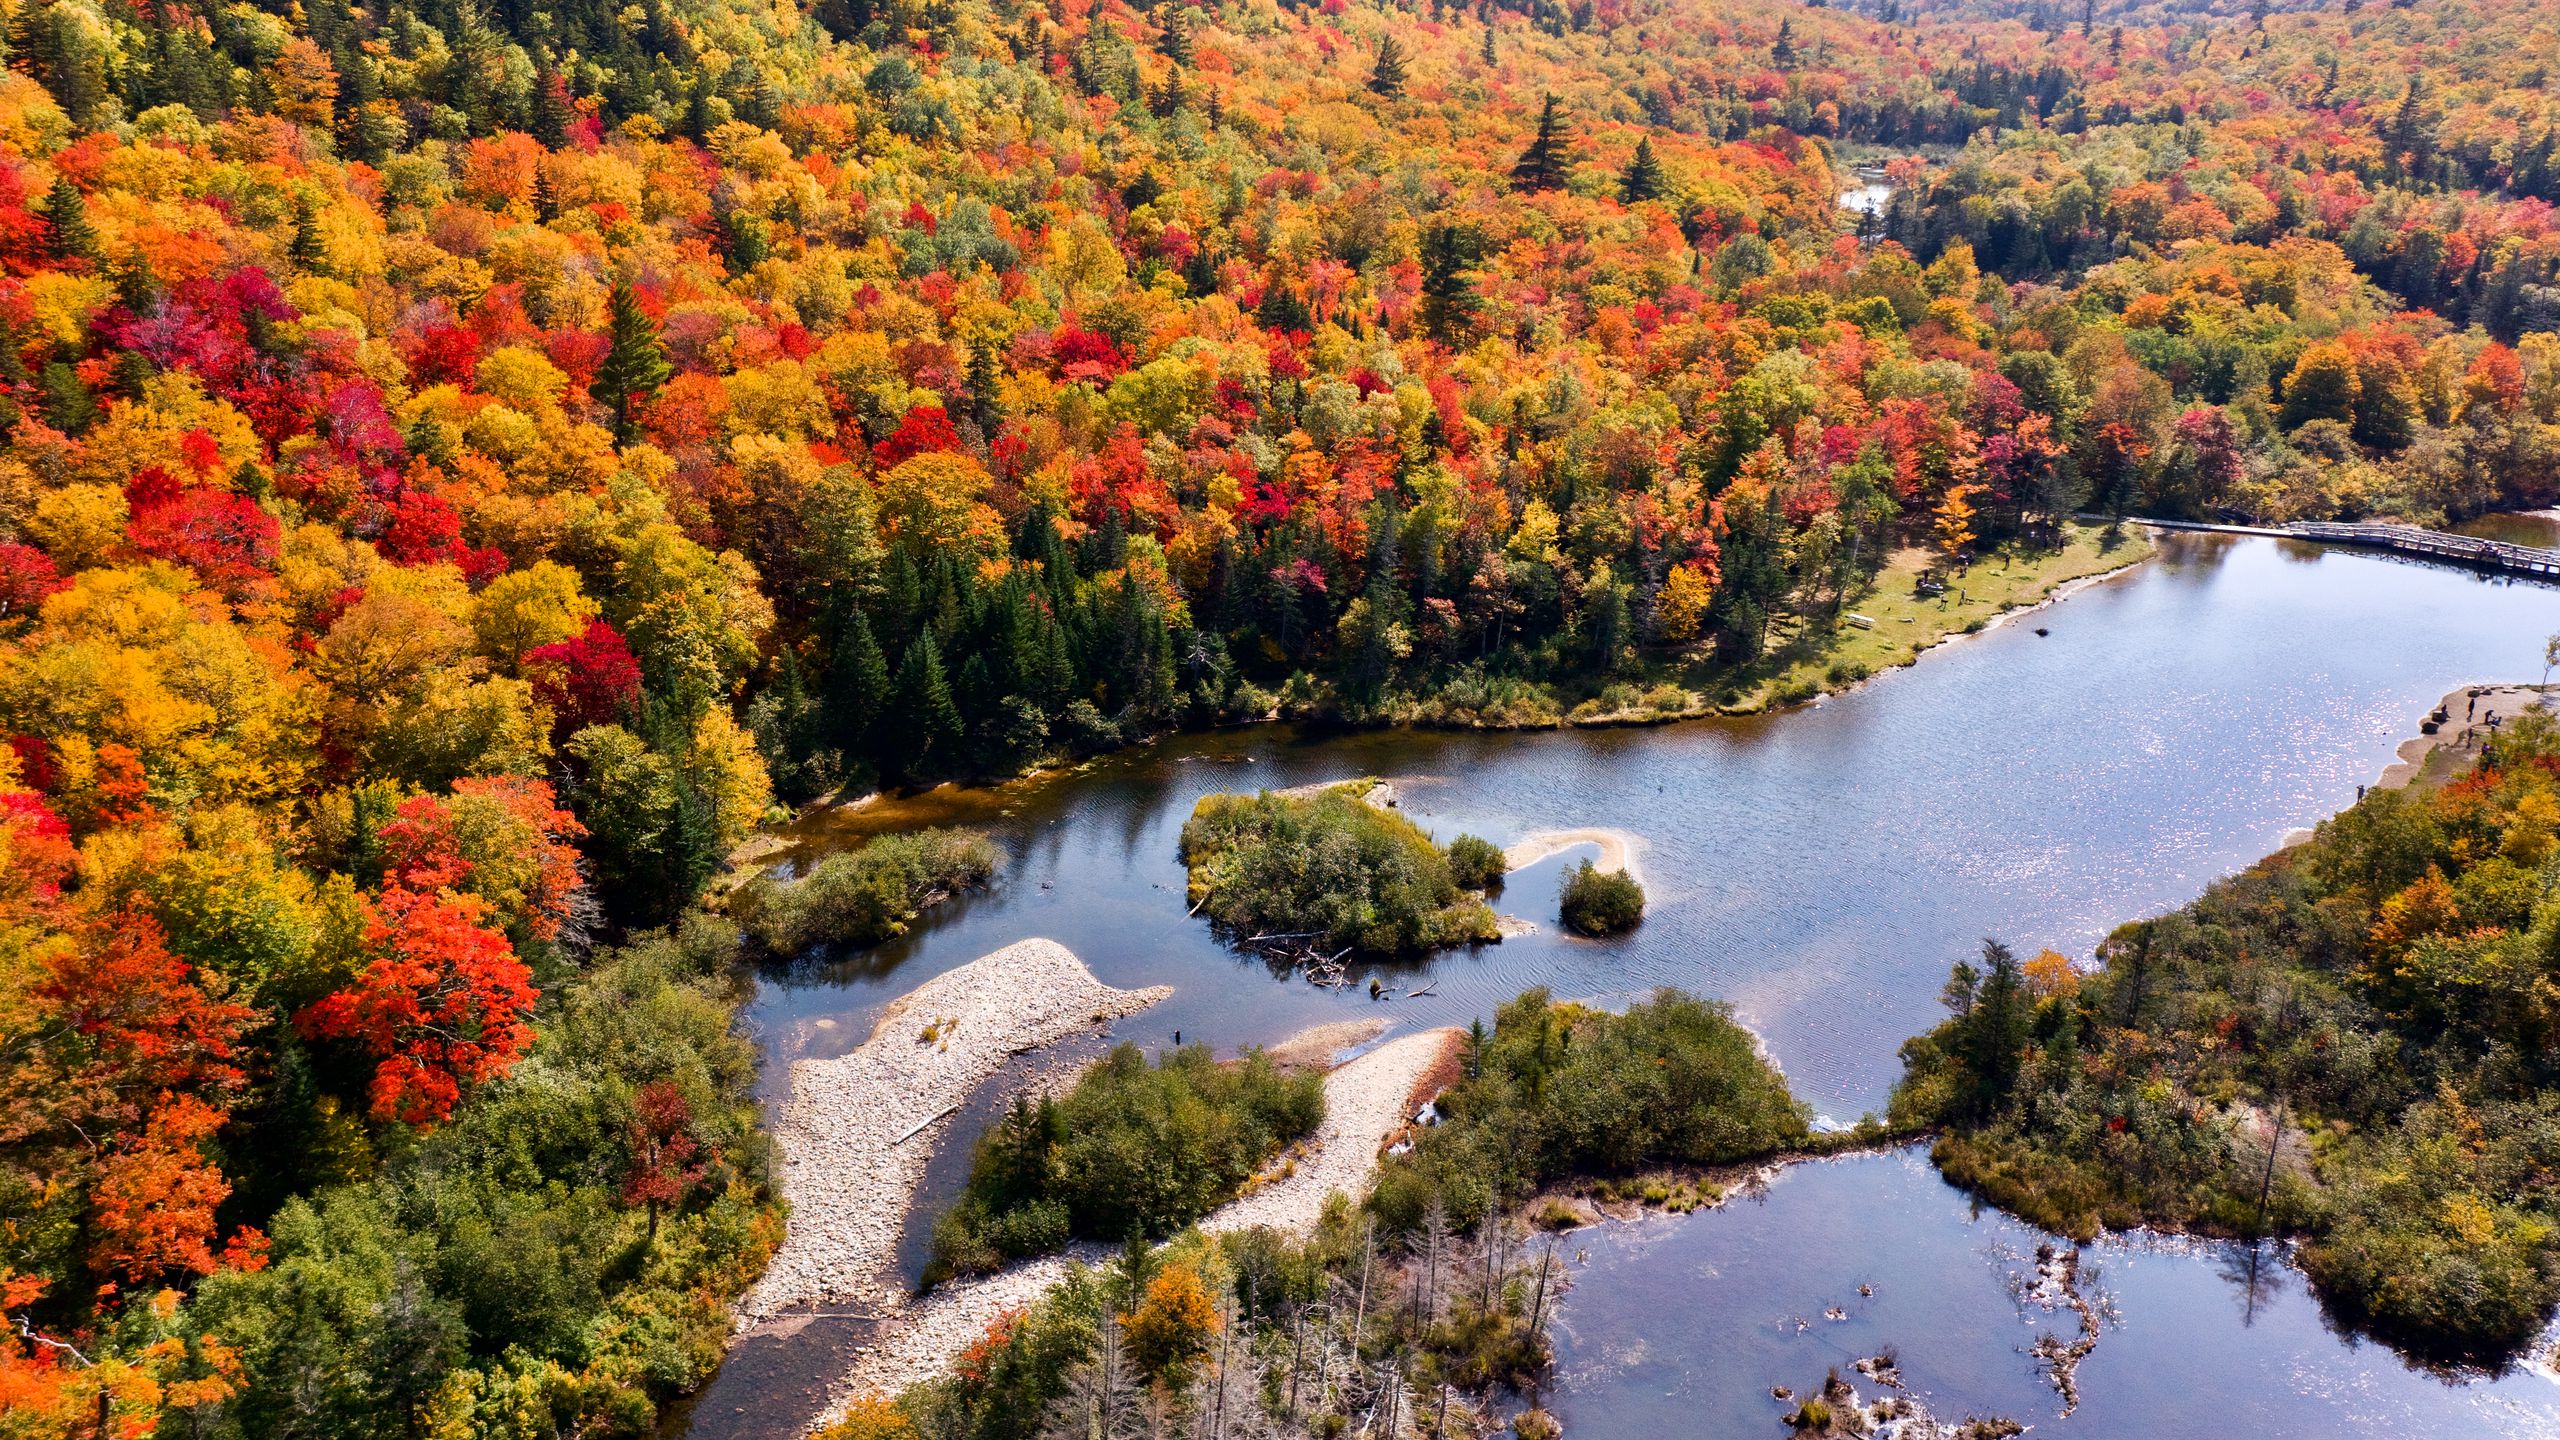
pixel 2458 739
pixel 805 829
pixel 852 1132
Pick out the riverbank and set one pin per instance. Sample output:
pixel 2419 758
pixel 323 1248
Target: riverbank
pixel 852 1134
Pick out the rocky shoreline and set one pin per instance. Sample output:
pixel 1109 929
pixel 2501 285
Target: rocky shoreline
pixel 852 1135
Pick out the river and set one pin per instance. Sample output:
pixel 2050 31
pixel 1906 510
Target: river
pixel 1820 869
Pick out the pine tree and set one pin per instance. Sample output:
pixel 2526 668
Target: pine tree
pixel 929 739
pixel 858 689
pixel 1486 54
pixel 307 252
pixel 1643 178
pixel 68 212
pixel 1386 79
pixel 636 363
pixel 1541 166
pixel 1448 289
pixel 1783 53
pixel 1174 41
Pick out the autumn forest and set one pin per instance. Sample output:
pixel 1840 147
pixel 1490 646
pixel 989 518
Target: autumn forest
pixel 464 467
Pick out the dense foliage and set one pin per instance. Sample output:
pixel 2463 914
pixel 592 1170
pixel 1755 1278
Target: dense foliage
pixel 1559 1090
pixel 1331 871
pixel 1132 1148
pixel 2383 992
pixel 864 895
pixel 460 465
pixel 1594 901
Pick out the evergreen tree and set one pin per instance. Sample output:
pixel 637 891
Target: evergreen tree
pixel 307 252
pixel 1643 178
pixel 928 740
pixel 1386 78
pixel 1486 54
pixel 635 365
pixel 1782 53
pixel 1448 283
pixel 858 689
pixel 68 212
pixel 1542 165
pixel 1174 38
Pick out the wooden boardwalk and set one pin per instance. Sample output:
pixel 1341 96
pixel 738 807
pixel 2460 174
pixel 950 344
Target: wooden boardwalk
pixel 2531 561
pixel 2497 556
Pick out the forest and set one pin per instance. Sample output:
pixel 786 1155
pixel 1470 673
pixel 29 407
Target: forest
pixel 462 468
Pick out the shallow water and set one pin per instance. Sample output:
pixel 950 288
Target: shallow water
pixel 1820 869
pixel 2200 1347
pixel 2521 527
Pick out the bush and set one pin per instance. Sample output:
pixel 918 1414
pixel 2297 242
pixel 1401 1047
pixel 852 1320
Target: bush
pixel 1476 863
pixel 865 896
pixel 1560 1090
pixel 1330 866
pixel 1134 1148
pixel 1601 902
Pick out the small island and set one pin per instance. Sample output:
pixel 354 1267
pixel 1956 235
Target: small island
pixel 1599 902
pixel 1328 871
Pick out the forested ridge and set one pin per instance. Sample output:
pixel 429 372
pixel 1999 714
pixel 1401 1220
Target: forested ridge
pixel 464 465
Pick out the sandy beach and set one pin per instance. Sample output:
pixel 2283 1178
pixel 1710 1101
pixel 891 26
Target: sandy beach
pixel 854 1135
pixel 2465 729
pixel 1367 1101
pixel 1617 847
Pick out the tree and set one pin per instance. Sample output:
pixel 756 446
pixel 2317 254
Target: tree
pixel 1782 52
pixel 928 738
pixel 1542 165
pixel 1953 522
pixel 2323 386
pixel 442 1003
pixel 1993 1031
pixel 1172 1326
pixel 635 364
pixel 67 211
pixel 1643 178
pixel 666 1161
pixel 1448 283
pixel 1386 78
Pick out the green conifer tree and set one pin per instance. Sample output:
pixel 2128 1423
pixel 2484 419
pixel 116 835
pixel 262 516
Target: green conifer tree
pixel 1542 165
pixel 68 212
pixel 1643 178
pixel 635 365
pixel 1386 78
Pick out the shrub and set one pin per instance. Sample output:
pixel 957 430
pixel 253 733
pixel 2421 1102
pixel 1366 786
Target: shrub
pixel 1601 902
pixel 1560 1090
pixel 865 896
pixel 1134 1148
pixel 1330 866
pixel 1476 863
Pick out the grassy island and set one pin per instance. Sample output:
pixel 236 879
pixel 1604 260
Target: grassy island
pixel 2351 1042
pixel 865 896
pixel 1333 869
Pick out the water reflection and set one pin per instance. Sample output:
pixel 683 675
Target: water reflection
pixel 2193 1344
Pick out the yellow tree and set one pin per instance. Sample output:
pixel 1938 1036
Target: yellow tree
pixel 1953 521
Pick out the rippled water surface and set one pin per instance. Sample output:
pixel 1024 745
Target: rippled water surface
pixel 1680 1327
pixel 1819 869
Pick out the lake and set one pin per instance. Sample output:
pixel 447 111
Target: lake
pixel 1819 869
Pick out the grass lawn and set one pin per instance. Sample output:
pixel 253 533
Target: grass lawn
pixel 1803 661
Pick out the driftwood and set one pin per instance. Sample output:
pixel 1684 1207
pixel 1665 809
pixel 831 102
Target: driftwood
pixel 918 1127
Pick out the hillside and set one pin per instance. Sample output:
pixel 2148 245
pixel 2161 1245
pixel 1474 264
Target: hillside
pixel 462 467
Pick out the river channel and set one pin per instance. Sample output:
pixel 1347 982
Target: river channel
pixel 2090 762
